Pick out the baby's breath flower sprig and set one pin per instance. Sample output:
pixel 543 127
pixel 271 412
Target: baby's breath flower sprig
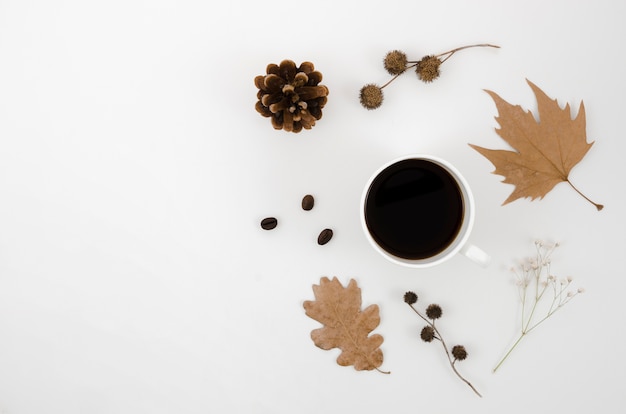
pixel 540 292
pixel 430 333
pixel 396 63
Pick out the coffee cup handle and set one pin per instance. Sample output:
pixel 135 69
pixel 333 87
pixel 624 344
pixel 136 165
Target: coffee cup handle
pixel 475 254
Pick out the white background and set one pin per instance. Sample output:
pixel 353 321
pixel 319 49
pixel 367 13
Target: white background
pixel 134 172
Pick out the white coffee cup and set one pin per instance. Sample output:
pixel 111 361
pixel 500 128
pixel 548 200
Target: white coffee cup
pixel 418 211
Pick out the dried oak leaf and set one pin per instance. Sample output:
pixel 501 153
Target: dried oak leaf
pixel 545 150
pixel 346 326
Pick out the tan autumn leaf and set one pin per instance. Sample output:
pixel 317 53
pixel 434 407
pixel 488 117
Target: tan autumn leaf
pixel 346 326
pixel 545 150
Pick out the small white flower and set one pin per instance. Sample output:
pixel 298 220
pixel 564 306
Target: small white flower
pixel 581 290
pixel 569 278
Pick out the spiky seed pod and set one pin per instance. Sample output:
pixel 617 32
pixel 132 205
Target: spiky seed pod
pixel 427 334
pixel 291 96
pixel 459 352
pixel 371 96
pixel 410 297
pixel 433 311
pixel 395 62
pixel 427 68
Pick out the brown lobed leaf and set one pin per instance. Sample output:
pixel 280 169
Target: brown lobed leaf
pixel 346 326
pixel 545 150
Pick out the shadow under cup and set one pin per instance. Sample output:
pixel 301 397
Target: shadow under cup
pixel 417 210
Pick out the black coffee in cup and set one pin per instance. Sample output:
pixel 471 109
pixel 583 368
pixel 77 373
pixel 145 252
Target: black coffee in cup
pixel 414 209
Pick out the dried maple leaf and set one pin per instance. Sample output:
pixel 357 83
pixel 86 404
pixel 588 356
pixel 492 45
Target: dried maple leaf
pixel 546 150
pixel 345 326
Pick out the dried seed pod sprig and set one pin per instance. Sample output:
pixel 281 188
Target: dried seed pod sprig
pixel 538 286
pixel 291 96
pixel 430 332
pixel 396 63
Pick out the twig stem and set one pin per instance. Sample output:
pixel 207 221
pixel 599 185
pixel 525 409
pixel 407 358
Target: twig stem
pixel 450 360
pixel 453 51
pixel 396 76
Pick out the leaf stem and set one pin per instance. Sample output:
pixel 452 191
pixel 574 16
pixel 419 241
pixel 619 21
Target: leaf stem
pixel 598 206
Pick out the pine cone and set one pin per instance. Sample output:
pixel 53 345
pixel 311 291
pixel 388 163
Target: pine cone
pixel 291 96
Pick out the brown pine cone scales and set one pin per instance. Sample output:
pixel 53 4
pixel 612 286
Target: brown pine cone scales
pixel 291 96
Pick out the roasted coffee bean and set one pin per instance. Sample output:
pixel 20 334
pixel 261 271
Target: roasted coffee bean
pixel 269 223
pixel 307 202
pixel 324 236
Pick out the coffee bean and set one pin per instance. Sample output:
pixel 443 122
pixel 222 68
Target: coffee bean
pixel 269 223
pixel 324 236
pixel 307 202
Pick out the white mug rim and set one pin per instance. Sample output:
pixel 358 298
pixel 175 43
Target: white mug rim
pixel 468 216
